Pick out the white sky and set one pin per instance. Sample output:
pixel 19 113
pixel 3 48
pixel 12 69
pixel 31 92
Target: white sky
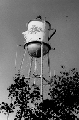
pixel 13 18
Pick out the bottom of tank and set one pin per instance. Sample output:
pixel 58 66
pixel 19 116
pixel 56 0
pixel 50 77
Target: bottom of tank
pixel 34 48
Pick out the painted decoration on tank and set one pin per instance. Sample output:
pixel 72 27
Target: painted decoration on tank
pixel 37 31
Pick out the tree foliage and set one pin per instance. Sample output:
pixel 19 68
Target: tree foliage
pixel 65 94
pixel 6 108
pixel 24 96
pixel 63 105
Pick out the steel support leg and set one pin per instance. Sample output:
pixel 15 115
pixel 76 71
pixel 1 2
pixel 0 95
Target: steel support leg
pixel 22 61
pixel 42 72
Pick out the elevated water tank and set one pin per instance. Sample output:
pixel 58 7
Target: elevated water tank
pixel 37 33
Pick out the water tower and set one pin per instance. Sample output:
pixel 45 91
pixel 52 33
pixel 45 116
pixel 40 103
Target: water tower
pixel 37 45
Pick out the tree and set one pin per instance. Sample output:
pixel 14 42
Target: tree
pixel 64 92
pixel 6 108
pixel 24 96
